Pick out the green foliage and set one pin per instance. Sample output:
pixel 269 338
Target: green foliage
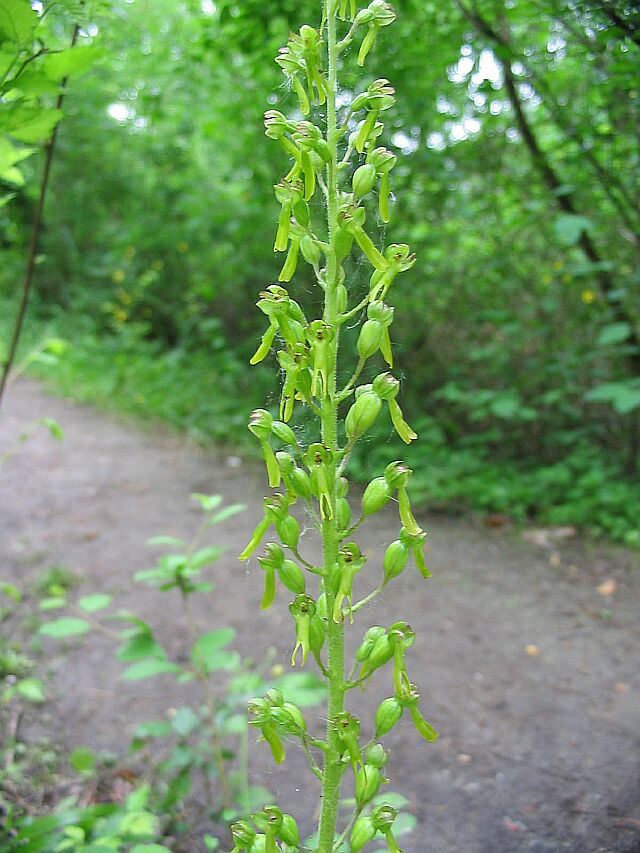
pixel 33 66
pixel 201 741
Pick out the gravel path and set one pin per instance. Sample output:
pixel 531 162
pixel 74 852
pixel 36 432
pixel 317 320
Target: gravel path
pixel 526 655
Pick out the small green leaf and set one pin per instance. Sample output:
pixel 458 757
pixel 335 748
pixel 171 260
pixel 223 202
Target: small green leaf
pixel 207 502
pixel 226 513
pixel 234 725
pixel 10 591
pixel 569 228
pixel 302 688
pixel 404 823
pixel 66 627
pixel 138 799
pixel 205 653
pixel 83 760
pixel 30 689
pixel 614 333
pixel 54 428
pixel 153 728
pixel 54 603
pixel 166 540
pixel 149 668
pixel 623 396
pixel 205 556
pixel 92 603
pixel 185 720
pixel 392 798
pixel 141 645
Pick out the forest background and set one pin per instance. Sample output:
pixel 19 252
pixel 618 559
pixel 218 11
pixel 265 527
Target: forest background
pixel 516 128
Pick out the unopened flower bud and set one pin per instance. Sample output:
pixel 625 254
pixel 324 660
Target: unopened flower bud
pixel 288 832
pixel 368 641
pixel 370 338
pixel 395 559
pixel 288 530
pixel 362 833
pixel 291 576
pixel 363 180
pixel 368 780
pixel 362 415
pixel 285 461
pixel 376 755
pixel 284 433
pixel 310 250
pixel 388 713
pixel 375 496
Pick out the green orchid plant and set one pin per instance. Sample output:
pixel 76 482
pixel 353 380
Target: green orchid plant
pixel 339 177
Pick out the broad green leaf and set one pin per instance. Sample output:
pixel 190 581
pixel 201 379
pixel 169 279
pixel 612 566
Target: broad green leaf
pixel 205 650
pixel 30 689
pixel 32 82
pixel 614 333
pixel 65 627
pixel 149 668
pixel 623 396
pixel 569 228
pixel 9 156
pixel 150 848
pixel 95 602
pixel 17 20
pixel 74 60
pixel 33 124
pixel 83 759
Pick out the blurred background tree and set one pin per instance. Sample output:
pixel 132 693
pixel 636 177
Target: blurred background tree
pixel 517 132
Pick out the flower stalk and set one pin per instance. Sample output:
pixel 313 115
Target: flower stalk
pixel 336 169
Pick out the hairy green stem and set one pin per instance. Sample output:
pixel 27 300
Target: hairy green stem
pixel 335 631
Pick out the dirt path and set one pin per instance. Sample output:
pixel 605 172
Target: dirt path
pixel 537 753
